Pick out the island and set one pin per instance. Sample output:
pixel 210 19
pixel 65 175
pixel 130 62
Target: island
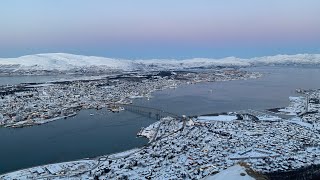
pixel 31 104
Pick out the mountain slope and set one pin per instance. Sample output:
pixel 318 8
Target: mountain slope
pixel 64 62
pixel 61 61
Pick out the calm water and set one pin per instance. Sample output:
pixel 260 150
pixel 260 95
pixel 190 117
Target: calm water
pixel 272 90
pixel 10 80
pixel 69 139
pixel 88 136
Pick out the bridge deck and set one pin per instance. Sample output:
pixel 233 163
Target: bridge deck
pixel 149 112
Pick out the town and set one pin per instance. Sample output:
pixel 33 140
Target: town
pixel 199 147
pixel 38 103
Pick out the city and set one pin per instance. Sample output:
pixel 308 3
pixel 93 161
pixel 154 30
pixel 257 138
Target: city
pixel 161 90
pixel 197 147
pixel 35 104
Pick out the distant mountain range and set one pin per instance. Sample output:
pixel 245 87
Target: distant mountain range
pixel 65 62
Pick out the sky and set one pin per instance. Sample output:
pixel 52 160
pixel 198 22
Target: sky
pixel 138 29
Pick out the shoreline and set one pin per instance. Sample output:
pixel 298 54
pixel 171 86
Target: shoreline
pixel 288 124
pixel 309 171
pixel 125 99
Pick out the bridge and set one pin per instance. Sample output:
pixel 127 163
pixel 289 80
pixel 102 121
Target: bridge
pixel 153 113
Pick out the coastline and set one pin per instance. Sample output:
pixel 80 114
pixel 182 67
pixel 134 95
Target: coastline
pixel 274 113
pixel 17 121
pixel 224 118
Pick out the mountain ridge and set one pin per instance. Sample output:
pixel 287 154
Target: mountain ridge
pixel 64 61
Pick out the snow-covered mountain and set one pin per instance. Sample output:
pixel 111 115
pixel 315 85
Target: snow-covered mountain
pixel 302 59
pixel 64 62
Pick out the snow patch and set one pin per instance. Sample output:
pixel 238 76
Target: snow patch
pixel 297 120
pixel 235 172
pixel 217 118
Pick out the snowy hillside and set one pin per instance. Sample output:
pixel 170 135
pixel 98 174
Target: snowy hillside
pixel 304 59
pixel 63 62
pixel 193 63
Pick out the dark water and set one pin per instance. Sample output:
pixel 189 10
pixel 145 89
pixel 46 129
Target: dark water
pixel 104 133
pixel 272 90
pixel 70 139
pixel 11 80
